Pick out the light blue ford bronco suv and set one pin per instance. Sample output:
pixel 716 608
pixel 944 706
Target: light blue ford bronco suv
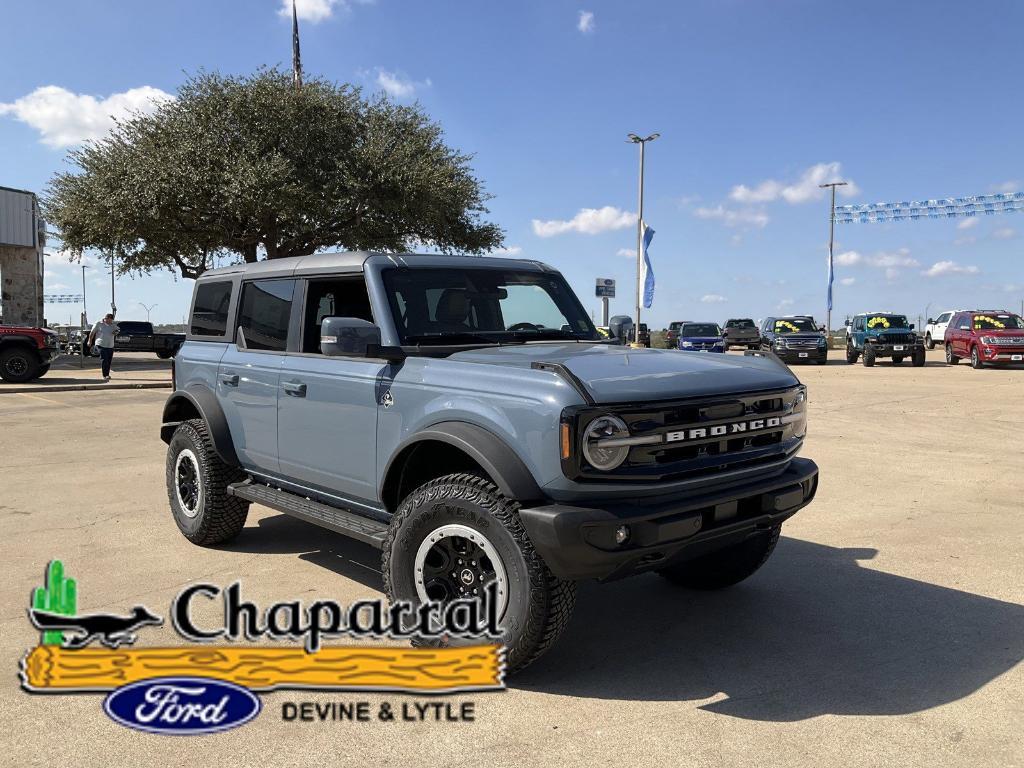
pixel 463 415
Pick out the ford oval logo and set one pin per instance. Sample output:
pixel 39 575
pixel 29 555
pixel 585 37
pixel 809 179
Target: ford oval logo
pixel 182 705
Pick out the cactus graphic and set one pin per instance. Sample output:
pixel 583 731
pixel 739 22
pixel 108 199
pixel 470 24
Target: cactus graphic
pixel 58 596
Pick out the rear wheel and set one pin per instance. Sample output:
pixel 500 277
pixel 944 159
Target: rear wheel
pixel 851 354
pixel 197 487
pixel 869 357
pixel 951 359
pixel 928 341
pixel 455 535
pixel 20 364
pixel 976 362
pixel 725 567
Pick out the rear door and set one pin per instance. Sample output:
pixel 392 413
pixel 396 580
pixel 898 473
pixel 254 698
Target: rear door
pixel 958 334
pixel 327 406
pixel 249 373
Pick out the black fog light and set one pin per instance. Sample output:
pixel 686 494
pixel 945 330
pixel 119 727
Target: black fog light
pixel 622 534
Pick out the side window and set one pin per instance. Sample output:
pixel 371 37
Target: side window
pixel 263 316
pixel 332 298
pixel 943 318
pixel 210 309
pixel 858 324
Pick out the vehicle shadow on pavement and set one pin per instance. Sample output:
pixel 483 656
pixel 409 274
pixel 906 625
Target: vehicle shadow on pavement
pixel 812 633
pixel 282 534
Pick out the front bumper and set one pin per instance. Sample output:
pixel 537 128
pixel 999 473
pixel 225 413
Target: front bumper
pixel 1001 354
pixel 890 350
pixel 802 355
pixel 579 542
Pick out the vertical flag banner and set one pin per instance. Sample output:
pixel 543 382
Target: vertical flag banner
pixel 646 273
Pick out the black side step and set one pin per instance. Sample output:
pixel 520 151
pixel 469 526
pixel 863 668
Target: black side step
pixel 341 521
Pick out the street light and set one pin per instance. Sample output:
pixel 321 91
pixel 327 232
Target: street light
pixel 148 309
pixel 634 139
pixel 831 240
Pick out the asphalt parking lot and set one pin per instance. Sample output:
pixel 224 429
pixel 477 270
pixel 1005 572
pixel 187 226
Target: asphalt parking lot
pixel 887 629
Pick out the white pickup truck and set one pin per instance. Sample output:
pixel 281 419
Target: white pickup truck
pixel 935 330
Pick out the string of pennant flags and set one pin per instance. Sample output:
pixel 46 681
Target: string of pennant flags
pixel 62 298
pixel 943 208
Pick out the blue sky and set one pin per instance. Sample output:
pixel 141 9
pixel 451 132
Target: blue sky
pixel 756 103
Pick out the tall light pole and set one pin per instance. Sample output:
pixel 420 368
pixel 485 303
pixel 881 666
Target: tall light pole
pixel 85 311
pixel 831 242
pixel 640 234
pixel 147 308
pixel 113 305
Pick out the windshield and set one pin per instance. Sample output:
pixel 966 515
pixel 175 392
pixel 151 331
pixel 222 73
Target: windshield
pixel 700 329
pixel 795 325
pixel 467 306
pixel 739 324
pixel 997 322
pixel 674 326
pixel 882 322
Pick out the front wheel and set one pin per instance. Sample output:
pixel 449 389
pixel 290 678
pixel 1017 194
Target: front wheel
pixel 951 359
pixel 928 341
pixel 19 365
pixel 976 362
pixel 851 354
pixel 918 359
pixel 725 567
pixel 197 487
pixel 869 357
pixel 456 535
pixel 897 360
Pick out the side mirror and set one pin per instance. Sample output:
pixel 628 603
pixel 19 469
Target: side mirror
pixel 354 337
pixel 912 326
pixel 931 321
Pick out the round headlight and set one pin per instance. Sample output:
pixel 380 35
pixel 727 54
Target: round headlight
pixel 605 459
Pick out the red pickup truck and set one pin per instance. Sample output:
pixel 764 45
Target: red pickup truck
pixel 26 353
pixel 985 337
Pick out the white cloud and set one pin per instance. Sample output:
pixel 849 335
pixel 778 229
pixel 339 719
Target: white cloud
pixel 802 190
pixel 949 268
pixel 398 86
pixel 891 273
pixel 589 221
pixel 512 250
pixel 847 258
pixel 1006 186
pixel 1005 233
pixel 847 280
pixel 585 22
pixel 713 298
pixel 882 259
pixel 968 223
pixel 55 287
pixel 733 217
pixel 65 119
pixel 626 253
pixel 313 11
pixel 784 305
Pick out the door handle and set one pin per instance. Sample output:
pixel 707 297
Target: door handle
pixel 294 388
pixel 229 379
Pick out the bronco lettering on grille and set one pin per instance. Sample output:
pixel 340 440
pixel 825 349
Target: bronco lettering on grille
pixel 722 430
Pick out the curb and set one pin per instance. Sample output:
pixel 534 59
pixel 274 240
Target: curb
pixel 42 388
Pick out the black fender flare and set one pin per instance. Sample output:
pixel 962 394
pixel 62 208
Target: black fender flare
pixel 204 401
pixel 18 340
pixel 493 454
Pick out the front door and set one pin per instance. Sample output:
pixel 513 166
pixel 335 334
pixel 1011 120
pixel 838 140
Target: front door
pixel 327 408
pixel 249 372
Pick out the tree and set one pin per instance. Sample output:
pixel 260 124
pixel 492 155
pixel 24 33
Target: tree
pixel 251 165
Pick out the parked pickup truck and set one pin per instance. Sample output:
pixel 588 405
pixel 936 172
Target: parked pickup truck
pixel 464 416
pixel 26 353
pixel 742 332
pixel 138 336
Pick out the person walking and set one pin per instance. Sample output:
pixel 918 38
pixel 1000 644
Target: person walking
pixel 102 336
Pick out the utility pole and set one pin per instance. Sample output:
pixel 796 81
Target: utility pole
pixel 633 138
pixel 85 311
pixel 113 304
pixel 831 242
pixel 296 58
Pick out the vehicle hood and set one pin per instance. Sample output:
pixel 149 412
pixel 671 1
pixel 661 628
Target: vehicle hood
pixel 615 374
pixel 1001 332
pixel 701 339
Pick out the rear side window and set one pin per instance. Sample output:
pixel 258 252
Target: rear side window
pixel 210 310
pixel 264 313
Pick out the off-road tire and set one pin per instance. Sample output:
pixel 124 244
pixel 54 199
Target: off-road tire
pixel 218 517
pixel 897 360
pixel 19 364
pixel 928 341
pixel 165 355
pixel 869 357
pixel 725 567
pixel 976 362
pixel 539 604
pixel 918 359
pixel 951 359
pixel 851 354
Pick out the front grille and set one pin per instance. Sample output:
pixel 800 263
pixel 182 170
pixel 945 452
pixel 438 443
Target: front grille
pixel 802 343
pixel 897 338
pixel 698 454
pixel 1008 341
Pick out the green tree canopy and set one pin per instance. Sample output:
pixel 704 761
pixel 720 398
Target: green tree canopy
pixel 250 165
